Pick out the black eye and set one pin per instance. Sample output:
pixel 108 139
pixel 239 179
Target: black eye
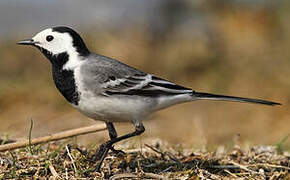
pixel 49 38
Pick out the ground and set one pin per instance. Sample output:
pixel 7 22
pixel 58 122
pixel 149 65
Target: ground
pixel 67 160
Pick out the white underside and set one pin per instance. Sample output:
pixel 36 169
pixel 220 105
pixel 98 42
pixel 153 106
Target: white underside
pixel 112 109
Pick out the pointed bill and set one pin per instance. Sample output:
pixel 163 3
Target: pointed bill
pixel 26 42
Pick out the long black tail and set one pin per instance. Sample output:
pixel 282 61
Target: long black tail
pixel 201 95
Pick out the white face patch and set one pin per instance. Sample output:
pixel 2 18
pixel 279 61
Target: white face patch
pixel 60 43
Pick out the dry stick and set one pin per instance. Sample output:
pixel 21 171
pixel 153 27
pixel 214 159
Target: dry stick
pixel 52 170
pixel 134 175
pixel 171 156
pixel 54 137
pixel 227 171
pixel 72 160
pixel 243 167
pixel 271 166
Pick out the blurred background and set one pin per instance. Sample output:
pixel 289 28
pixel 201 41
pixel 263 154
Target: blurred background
pixel 233 47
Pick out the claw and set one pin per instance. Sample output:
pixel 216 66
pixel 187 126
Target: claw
pixel 116 151
pixel 98 168
pixel 99 153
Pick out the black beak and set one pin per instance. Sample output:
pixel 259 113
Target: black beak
pixel 27 42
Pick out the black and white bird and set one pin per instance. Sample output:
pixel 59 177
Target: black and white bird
pixel 105 89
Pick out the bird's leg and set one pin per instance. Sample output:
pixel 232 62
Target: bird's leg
pixel 113 135
pixel 101 150
pixel 104 148
pixel 112 131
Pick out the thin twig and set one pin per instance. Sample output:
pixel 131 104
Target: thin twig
pixel 154 149
pixel 227 171
pixel 155 176
pixel 71 158
pixel 171 156
pixel 124 175
pixel 134 175
pixel 167 169
pixel 66 173
pixel 243 167
pixel 271 166
pixel 54 137
pixel 137 150
pixel 52 170
pixel 225 167
pixel 30 135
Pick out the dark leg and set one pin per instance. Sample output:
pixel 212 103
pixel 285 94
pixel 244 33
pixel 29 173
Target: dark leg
pixel 112 131
pixel 104 148
pixel 113 135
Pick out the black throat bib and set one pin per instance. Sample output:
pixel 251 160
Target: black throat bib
pixel 63 79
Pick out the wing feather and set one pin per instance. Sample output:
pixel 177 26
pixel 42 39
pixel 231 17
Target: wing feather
pixel 143 85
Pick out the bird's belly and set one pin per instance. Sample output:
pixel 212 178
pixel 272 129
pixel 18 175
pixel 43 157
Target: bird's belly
pixel 113 109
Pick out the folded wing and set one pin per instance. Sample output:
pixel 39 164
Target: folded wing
pixel 142 85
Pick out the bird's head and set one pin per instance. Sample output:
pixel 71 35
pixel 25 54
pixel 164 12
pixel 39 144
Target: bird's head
pixel 58 40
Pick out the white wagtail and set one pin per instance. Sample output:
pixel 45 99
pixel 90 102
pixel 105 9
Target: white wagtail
pixel 105 89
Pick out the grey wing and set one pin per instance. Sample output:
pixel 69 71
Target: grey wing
pixel 142 85
pixel 111 77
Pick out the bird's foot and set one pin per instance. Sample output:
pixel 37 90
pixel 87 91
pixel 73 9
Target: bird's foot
pixel 100 152
pixel 116 151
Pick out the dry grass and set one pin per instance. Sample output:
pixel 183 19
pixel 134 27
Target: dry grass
pixel 65 161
